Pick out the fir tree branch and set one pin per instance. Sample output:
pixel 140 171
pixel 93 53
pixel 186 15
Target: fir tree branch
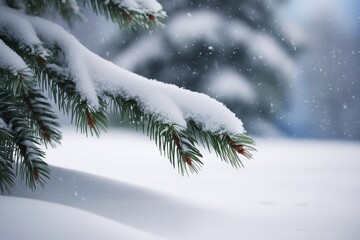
pixel 62 90
pixel 27 155
pixel 25 112
pixel 28 116
pixel 125 16
pixel 37 109
pixel 30 163
pixel 181 145
pixel 120 12
pixel 7 174
pixel 171 140
pixel 47 66
pixel 42 117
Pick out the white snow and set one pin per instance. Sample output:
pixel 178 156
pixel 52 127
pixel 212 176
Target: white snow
pixel 3 124
pixel 151 5
pixel 201 25
pixel 296 35
pixel 264 48
pixel 74 6
pixel 210 28
pixel 46 220
pixel 293 189
pixel 227 84
pixel 145 48
pixel 146 5
pixel 54 35
pixel 9 58
pixel 270 53
pixel 15 26
pixel 239 32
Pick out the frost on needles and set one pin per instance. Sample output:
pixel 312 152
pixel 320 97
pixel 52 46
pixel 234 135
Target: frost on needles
pixel 40 61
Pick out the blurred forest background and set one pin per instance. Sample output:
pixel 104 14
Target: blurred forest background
pixel 285 67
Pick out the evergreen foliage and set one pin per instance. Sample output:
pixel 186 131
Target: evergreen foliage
pixel 27 120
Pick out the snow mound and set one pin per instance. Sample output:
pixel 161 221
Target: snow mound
pixel 35 219
pixel 309 191
pixel 71 196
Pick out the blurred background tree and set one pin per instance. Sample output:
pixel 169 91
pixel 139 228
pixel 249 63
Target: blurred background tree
pixel 327 101
pixel 291 66
pixel 239 52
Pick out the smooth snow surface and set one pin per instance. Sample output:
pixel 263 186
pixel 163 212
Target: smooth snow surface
pixel 46 220
pixel 292 189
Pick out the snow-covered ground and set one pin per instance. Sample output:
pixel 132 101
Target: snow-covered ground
pixel 119 187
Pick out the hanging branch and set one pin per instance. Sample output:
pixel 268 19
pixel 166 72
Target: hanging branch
pixel 23 149
pixel 32 72
pixel 7 174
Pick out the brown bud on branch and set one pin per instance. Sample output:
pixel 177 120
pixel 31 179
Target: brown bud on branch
pixel 90 119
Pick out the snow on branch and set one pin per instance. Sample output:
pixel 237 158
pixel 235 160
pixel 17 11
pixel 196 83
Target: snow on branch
pixel 86 86
pixel 94 75
pixel 150 6
pixel 9 58
pixel 128 12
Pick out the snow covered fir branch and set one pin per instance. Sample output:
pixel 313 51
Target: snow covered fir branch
pixel 41 62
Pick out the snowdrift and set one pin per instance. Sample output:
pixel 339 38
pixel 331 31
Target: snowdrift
pixel 118 187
